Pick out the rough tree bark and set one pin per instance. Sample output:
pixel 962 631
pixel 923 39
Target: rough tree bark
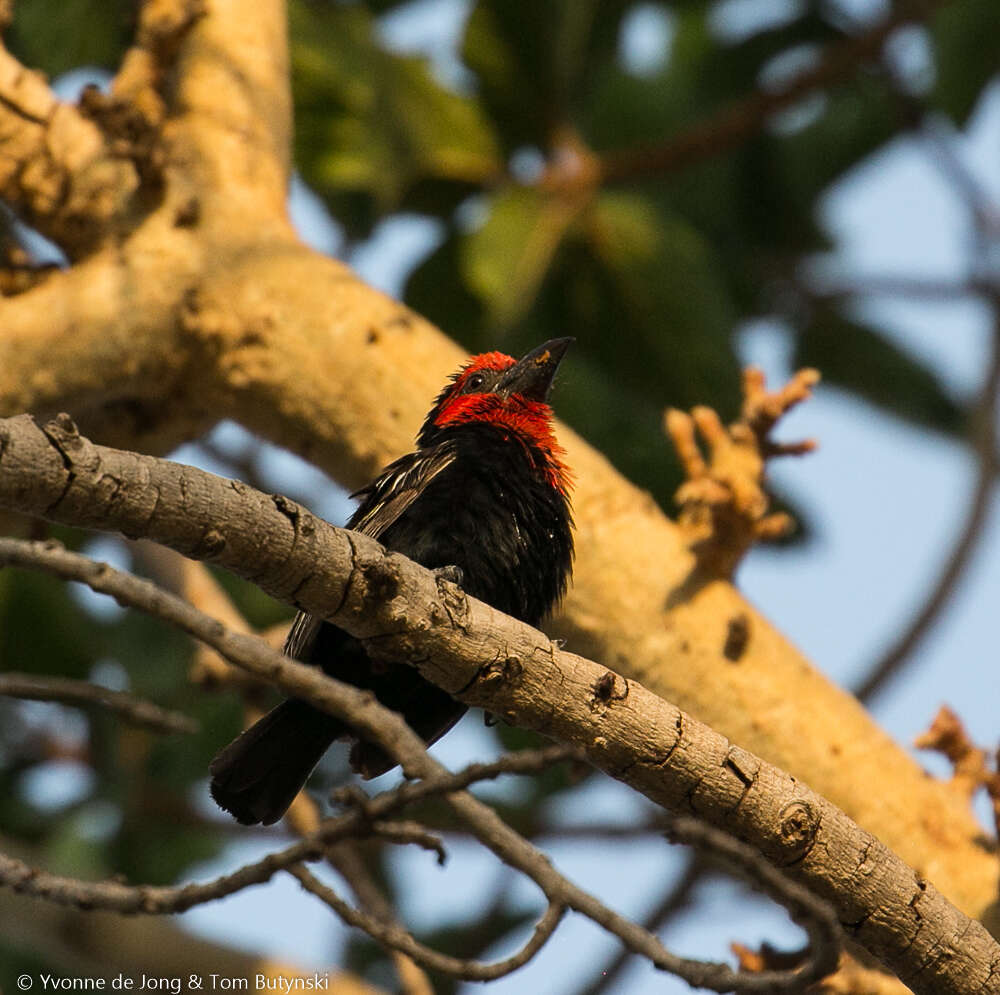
pixel 405 613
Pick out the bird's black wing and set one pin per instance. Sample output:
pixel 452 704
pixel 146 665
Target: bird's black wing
pixel 260 772
pixel 397 487
pixel 382 502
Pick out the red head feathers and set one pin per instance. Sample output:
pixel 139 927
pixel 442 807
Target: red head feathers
pixel 496 389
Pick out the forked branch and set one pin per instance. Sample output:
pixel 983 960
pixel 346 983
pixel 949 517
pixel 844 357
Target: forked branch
pixel 723 502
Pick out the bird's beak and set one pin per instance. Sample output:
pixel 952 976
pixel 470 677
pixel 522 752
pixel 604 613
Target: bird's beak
pixel 531 376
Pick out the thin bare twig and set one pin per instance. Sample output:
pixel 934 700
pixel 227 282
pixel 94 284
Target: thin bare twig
pixel 387 729
pixel 814 915
pixel 674 900
pixel 412 833
pixel 398 939
pixel 346 858
pixel 67 691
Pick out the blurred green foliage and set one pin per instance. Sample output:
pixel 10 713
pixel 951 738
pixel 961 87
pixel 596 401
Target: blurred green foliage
pixel 75 34
pixel 653 274
pixel 671 262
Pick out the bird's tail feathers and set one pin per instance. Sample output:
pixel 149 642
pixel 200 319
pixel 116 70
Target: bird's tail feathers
pixel 256 777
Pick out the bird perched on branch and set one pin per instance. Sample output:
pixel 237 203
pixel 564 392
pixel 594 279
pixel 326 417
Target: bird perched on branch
pixel 486 491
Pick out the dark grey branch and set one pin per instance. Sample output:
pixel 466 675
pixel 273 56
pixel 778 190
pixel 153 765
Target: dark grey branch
pixel 138 711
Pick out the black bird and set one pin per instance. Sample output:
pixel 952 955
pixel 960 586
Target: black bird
pixel 486 491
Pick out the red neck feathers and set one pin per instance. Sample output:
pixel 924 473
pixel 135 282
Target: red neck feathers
pixel 478 396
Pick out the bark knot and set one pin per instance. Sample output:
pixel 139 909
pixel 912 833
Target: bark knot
pixel 737 637
pixel 213 542
pixel 799 823
pixel 381 579
pixel 605 691
pixel 451 598
pixel 501 669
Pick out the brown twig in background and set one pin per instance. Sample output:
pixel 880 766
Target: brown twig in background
pixel 984 211
pixel 850 978
pixel 194 582
pixel 346 858
pixel 741 120
pixel 327 837
pixel 601 830
pixel 411 833
pixel 838 288
pixel 67 691
pixel 723 504
pixel 812 914
pixel 389 731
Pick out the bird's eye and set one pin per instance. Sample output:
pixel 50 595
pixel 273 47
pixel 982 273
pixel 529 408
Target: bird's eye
pixel 475 381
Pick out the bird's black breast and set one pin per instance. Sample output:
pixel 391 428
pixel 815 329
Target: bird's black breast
pixel 492 511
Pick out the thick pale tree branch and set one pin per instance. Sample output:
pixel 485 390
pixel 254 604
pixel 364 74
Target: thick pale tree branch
pixel 405 613
pixel 210 308
pixel 57 169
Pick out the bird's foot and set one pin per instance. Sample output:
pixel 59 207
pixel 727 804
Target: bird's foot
pixel 451 573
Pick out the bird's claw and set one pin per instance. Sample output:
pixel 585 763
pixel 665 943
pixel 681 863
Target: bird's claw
pixel 451 573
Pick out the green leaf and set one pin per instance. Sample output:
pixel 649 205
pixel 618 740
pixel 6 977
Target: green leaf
pixel 857 119
pixel 966 40
pixel 536 62
pixel 70 851
pixel 259 609
pixel 82 33
pixel 157 851
pixel 372 126
pixel 505 260
pixel 629 110
pixel 671 294
pixel 43 629
pixel 861 360
pixel 734 70
pixel 437 290
pixel 701 77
